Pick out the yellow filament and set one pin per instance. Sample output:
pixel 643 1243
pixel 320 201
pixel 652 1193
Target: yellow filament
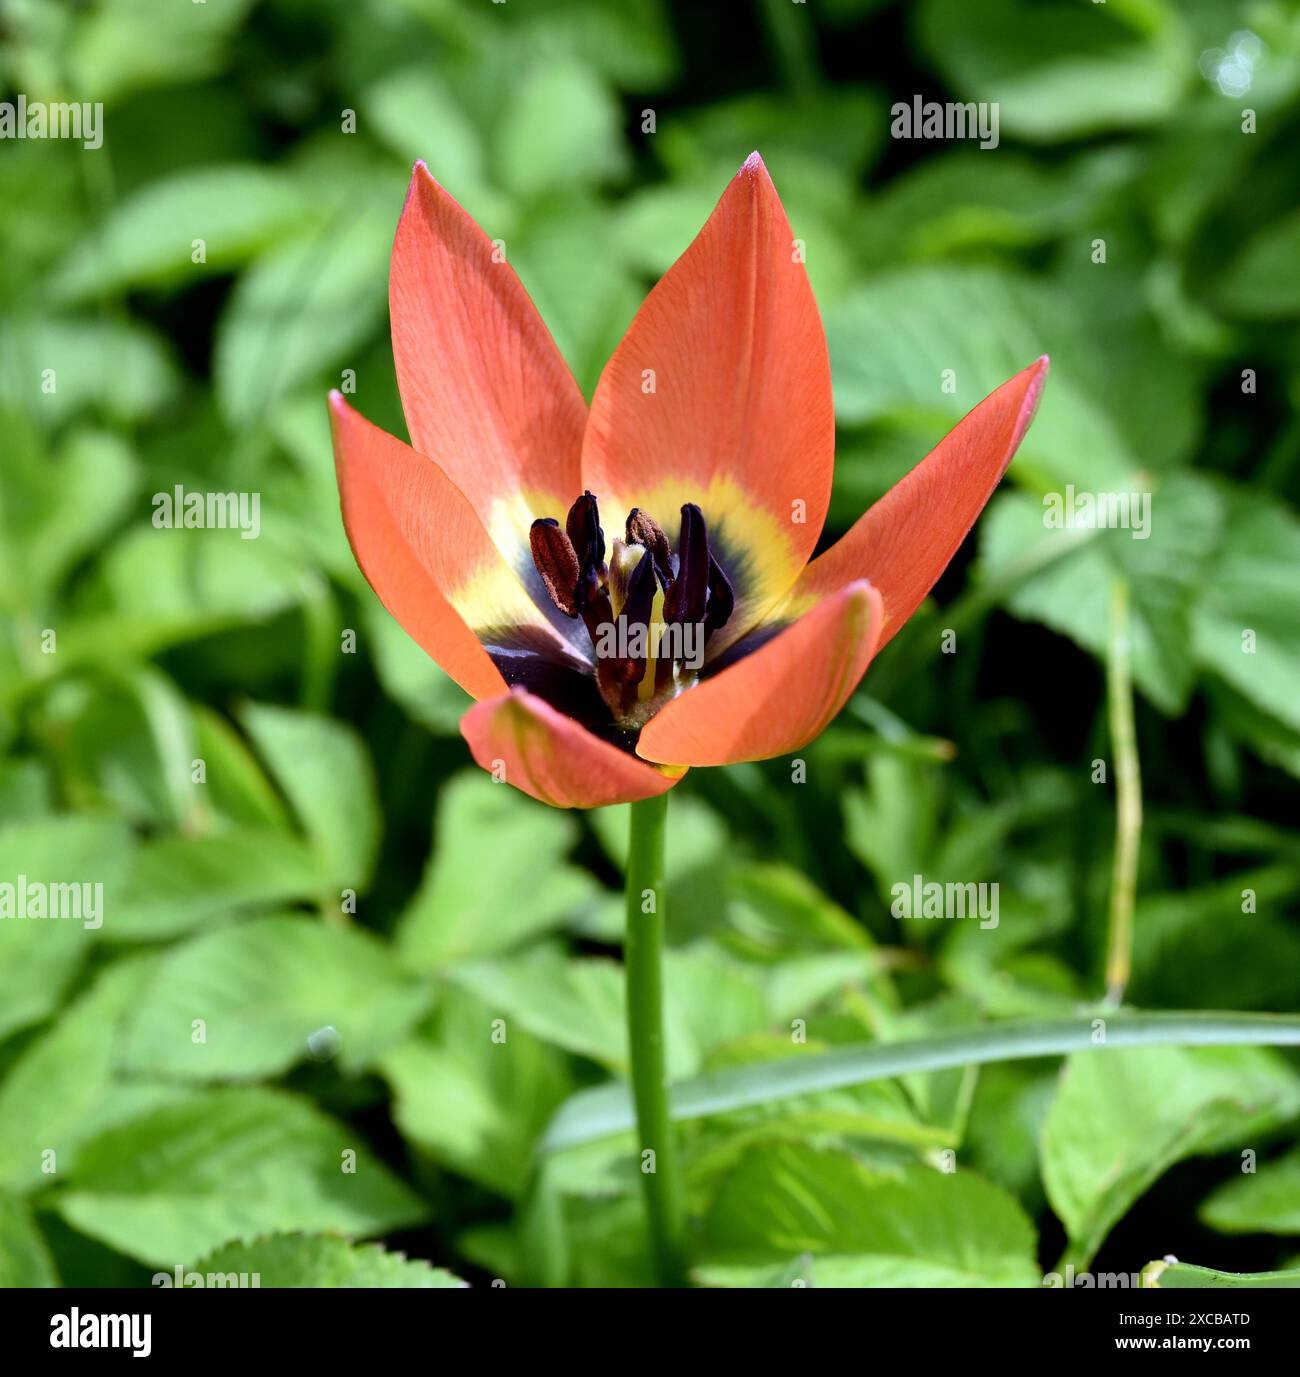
pixel 654 633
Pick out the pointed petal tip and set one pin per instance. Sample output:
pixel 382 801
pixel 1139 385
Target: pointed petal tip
pixel 747 309
pixel 422 177
pixel 1033 393
pixel 484 388
pixel 908 537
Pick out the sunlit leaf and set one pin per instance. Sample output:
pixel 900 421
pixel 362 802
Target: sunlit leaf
pixel 268 994
pixel 158 1188
pixel 1265 1200
pixel 318 1260
pixel 39 956
pixel 848 1226
pixel 497 876
pixel 1107 1137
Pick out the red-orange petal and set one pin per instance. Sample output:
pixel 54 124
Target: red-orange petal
pixel 524 741
pixel 720 394
pixel 484 389
pixel 426 554
pixel 780 697
pixel 905 541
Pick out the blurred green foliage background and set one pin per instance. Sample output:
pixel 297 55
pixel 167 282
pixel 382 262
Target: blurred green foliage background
pixel 281 133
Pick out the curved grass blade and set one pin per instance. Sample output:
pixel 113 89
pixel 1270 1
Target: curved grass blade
pixel 607 1109
pixel 1163 1275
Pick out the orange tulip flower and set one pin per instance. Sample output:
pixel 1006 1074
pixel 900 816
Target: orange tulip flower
pixel 604 668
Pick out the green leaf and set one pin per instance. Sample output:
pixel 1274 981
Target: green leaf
pixel 877 1113
pixel 953 202
pixel 696 834
pixel 578 1004
pixel 238 789
pixel 54 513
pixel 237 211
pixel 1057 70
pixel 653 225
pixel 300 309
pixel 581 1242
pixel 563 126
pixel 849 1226
pixel 630 41
pixel 497 876
pixel 167 587
pixel 325 772
pixel 1166 571
pixel 1261 283
pixel 47 186
pixel 39 957
pixel 25 793
pixel 1266 1202
pixel 159 1187
pixel 841 131
pixel 56 368
pixel 1271 740
pixel 270 992
pixel 1250 587
pixel 942 1099
pixel 475 1096
pixel 574 1003
pixel 127 45
pixel 712 998
pixel 945 360
pixel 125 745
pixel 426 693
pixel 777 903
pixel 1107 1137
pixel 1093 428
pixel 178 883
pixel 419 118
pixel 310 1260
pixel 1210 940
pixel 63 1087
pixel 564 253
pixel 891 825
pixel 25 1260
pixel 1170 1275
pixel 1006 1119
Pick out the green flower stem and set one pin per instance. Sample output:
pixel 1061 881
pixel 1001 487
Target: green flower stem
pixel 643 958
pixel 1128 798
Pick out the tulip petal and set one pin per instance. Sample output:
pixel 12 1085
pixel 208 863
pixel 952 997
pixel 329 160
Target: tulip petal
pixel 905 541
pixel 720 394
pixel 485 391
pixel 526 742
pixel 779 697
pixel 426 554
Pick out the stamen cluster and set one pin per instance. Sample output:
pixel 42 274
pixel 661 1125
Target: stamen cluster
pixel 649 611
